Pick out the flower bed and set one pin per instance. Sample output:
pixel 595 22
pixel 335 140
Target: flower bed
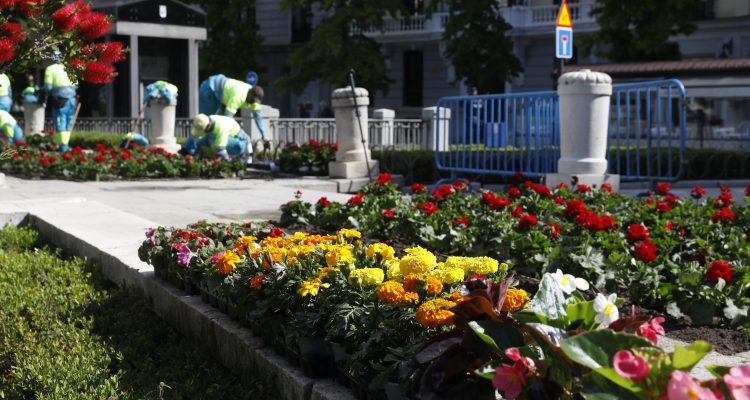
pixel 309 158
pixel 416 325
pixel 104 163
pixel 678 255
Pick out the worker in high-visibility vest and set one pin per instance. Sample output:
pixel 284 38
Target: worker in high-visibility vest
pixel 6 93
pixel 225 96
pixel 62 91
pixel 221 134
pixel 161 90
pixel 9 129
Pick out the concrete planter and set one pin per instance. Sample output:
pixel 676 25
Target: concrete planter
pixel 316 358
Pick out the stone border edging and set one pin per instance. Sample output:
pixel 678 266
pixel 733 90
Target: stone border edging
pixel 232 345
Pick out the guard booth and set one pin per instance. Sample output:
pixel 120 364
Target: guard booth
pixel 163 38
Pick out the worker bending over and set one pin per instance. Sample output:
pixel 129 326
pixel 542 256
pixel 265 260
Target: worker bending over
pixel 225 96
pixel 222 135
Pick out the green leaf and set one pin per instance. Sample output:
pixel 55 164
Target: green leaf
pixel 595 349
pixel 718 370
pixel 498 335
pixel 486 372
pixel 583 311
pixel 625 383
pixel 685 358
pixel 596 387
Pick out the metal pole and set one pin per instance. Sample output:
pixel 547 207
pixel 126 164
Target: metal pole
pixel 359 121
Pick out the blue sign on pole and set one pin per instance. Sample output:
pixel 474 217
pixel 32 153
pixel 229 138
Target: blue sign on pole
pixel 252 78
pixel 564 43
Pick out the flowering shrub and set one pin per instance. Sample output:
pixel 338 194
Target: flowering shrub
pixel 105 163
pixel 678 255
pixel 313 156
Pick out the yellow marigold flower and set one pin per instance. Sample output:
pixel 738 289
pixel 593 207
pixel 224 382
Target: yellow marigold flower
pixel 393 269
pixel 410 297
pixel 339 255
pixel 226 262
pixel 300 250
pixel 323 272
pixel 448 276
pixel 430 284
pixel 474 265
pixel 276 253
pixel 366 276
pixel 515 300
pixel 244 243
pixel 434 313
pixel 298 237
pixel 311 287
pixel 391 292
pixel 349 234
pixel 272 242
pixel 417 261
pixel 456 297
pixel 381 250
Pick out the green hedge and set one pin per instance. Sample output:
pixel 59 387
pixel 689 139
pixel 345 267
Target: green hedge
pixel 63 336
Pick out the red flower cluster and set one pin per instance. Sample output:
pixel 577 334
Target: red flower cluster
pixel 645 251
pixel 723 215
pixel 663 206
pixel 637 233
pixel 697 192
pixel 593 222
pixel 494 202
pixel 417 188
pixel 541 190
pixel 356 199
pixel 276 232
pixel 574 207
pixel 428 208
pixel 464 220
pixel 442 192
pixel 323 202
pixel 607 188
pixel 662 188
pixel 581 188
pixel 527 221
pixel 724 200
pixel 719 269
pixel 384 178
pixel 555 228
pixel 388 214
pixel 514 192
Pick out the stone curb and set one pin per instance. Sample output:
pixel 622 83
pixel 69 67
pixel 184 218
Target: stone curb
pixel 229 343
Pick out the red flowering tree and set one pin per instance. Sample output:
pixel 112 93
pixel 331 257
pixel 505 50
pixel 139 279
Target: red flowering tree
pixel 31 31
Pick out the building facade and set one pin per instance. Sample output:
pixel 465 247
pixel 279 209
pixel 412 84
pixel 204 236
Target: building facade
pixel 422 75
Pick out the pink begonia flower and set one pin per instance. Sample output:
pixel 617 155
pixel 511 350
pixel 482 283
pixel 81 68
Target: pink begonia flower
pixel 630 366
pixel 216 257
pixel 683 387
pixel 514 355
pixel 738 382
pixel 650 329
pixel 184 255
pixel 510 380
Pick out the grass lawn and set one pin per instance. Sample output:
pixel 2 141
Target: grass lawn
pixel 66 334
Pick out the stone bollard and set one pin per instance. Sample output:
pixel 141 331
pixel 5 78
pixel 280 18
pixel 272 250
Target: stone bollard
pixel 386 131
pixel 163 125
pixel 352 157
pixel 584 122
pixel 268 114
pixel 434 125
pixel 33 119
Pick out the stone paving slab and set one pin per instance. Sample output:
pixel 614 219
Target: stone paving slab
pixel 110 238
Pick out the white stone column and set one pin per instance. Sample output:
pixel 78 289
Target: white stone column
pixel 33 119
pixel 268 114
pixel 434 125
pixel 162 125
pixel 584 120
pixel 353 156
pixel 386 131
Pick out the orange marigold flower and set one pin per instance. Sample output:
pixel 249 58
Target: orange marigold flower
pixel 410 297
pixel 244 243
pixel 456 297
pixel 432 285
pixel 410 283
pixel 257 281
pixel 515 300
pixel 434 313
pixel 391 292
pixel 227 262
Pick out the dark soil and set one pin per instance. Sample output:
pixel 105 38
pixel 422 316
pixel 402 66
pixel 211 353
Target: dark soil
pixel 726 341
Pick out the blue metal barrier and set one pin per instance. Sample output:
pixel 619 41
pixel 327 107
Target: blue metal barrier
pixel 647 131
pixel 497 134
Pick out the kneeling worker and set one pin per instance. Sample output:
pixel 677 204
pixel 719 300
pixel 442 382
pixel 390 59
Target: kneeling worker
pixel 221 134
pixel 11 132
pixel 225 96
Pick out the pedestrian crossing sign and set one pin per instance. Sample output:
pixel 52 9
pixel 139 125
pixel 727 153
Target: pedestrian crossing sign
pixel 563 17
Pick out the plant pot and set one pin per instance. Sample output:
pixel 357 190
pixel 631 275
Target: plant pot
pixel 393 391
pixel 213 300
pixel 233 310
pixel 317 361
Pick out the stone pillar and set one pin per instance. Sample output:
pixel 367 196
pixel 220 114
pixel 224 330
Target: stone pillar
pixel 386 131
pixel 584 122
pixel 162 125
pixel 436 128
pixel 33 119
pixel 268 115
pixel 192 62
pixel 135 80
pixel 353 156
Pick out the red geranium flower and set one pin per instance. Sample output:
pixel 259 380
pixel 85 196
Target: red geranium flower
pixel 384 178
pixel 574 207
pixel 99 158
pixel 323 202
pixel 356 199
pixel 388 213
pixel 67 156
pixel 276 232
pixel 723 215
pixel 555 228
pixel 637 232
pixel 607 188
pixel 429 207
pixel 645 251
pixel 542 190
pixel 561 186
pixel 559 200
pixel 417 188
pixel 527 221
pixel 724 189
pixel 697 192
pixel 45 162
pixel 581 188
pixel 314 143
pixel 514 192
pixel 464 220
pixel 77 150
pixel 724 200
pixel 663 206
pixel 669 225
pixel 442 192
pixel 719 269
pixel 517 212
pixel 662 188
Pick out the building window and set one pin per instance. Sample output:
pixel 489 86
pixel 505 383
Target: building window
pixel 302 24
pixel 413 78
pixel 414 6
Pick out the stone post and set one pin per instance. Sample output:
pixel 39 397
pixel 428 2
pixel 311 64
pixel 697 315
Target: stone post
pixel 353 156
pixel 162 125
pixel 33 119
pixel 584 121
pixel 386 130
pixel 268 114
pixel 434 125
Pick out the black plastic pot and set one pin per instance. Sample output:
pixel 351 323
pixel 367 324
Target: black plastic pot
pixel 393 391
pixel 316 359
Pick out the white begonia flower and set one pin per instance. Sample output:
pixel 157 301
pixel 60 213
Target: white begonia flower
pixel 569 283
pixel 606 310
